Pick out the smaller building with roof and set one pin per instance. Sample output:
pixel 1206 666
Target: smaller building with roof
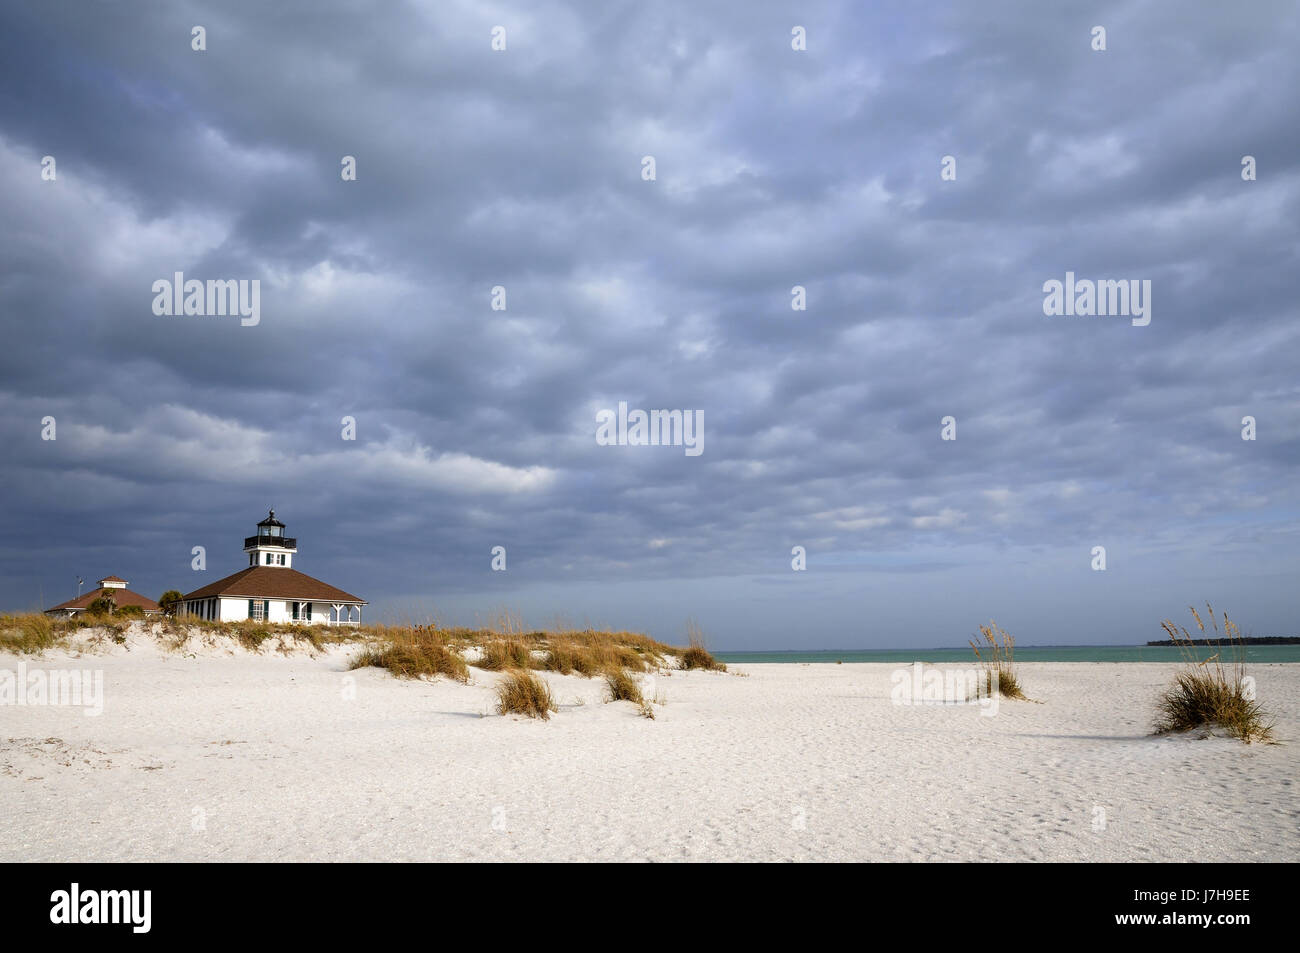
pixel 110 587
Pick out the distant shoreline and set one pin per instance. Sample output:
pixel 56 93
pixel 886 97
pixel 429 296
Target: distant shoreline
pixel 1257 650
pixel 1248 640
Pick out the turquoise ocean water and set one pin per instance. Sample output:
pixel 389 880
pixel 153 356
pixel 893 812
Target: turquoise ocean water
pixel 1025 653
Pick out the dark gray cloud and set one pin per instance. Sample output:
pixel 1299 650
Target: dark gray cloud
pixel 775 168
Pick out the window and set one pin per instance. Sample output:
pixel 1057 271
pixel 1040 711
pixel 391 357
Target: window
pixel 268 559
pixel 282 558
pixel 252 559
pixel 295 611
pixel 307 614
pixel 257 609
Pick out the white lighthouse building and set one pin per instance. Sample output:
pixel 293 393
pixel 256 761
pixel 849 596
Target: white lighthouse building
pixel 271 590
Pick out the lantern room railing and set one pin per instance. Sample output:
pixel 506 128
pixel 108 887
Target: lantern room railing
pixel 285 542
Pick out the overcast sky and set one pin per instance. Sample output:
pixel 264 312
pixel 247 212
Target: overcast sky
pixel 774 167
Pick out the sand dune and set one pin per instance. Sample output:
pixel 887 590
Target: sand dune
pixel 229 755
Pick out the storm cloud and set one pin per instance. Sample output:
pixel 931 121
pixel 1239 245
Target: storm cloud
pixel 775 168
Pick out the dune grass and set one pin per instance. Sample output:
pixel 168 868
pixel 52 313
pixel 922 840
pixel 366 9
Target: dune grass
pixel 506 647
pixel 521 692
pixel 27 633
pixel 622 687
pixel 695 655
pixel 563 658
pixel 1207 693
pixel 584 652
pixel 998 660
pixel 251 633
pixel 312 634
pixel 416 652
pixel 594 653
pixel 409 650
pixel 501 654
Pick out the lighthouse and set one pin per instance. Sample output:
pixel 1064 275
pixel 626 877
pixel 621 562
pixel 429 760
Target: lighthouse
pixel 270 547
pixel 269 589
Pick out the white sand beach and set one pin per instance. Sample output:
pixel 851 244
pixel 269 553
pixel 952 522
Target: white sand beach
pixel 224 754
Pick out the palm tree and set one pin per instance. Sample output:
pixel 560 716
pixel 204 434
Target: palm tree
pixel 103 604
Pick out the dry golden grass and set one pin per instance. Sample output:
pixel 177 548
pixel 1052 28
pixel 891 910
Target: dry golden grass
pixel 35 631
pixel 250 633
pixel 594 653
pixel 695 655
pixel 415 652
pixel 502 654
pixel 253 634
pixel 32 632
pixel 562 658
pixel 999 662
pixel 522 693
pixel 622 687
pixel 27 633
pixel 506 646
pixel 314 634
pixel 585 652
pixel 407 651
pixel 1206 693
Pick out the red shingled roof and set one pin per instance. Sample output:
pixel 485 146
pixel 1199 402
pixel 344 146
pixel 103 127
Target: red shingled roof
pixel 123 597
pixel 274 582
